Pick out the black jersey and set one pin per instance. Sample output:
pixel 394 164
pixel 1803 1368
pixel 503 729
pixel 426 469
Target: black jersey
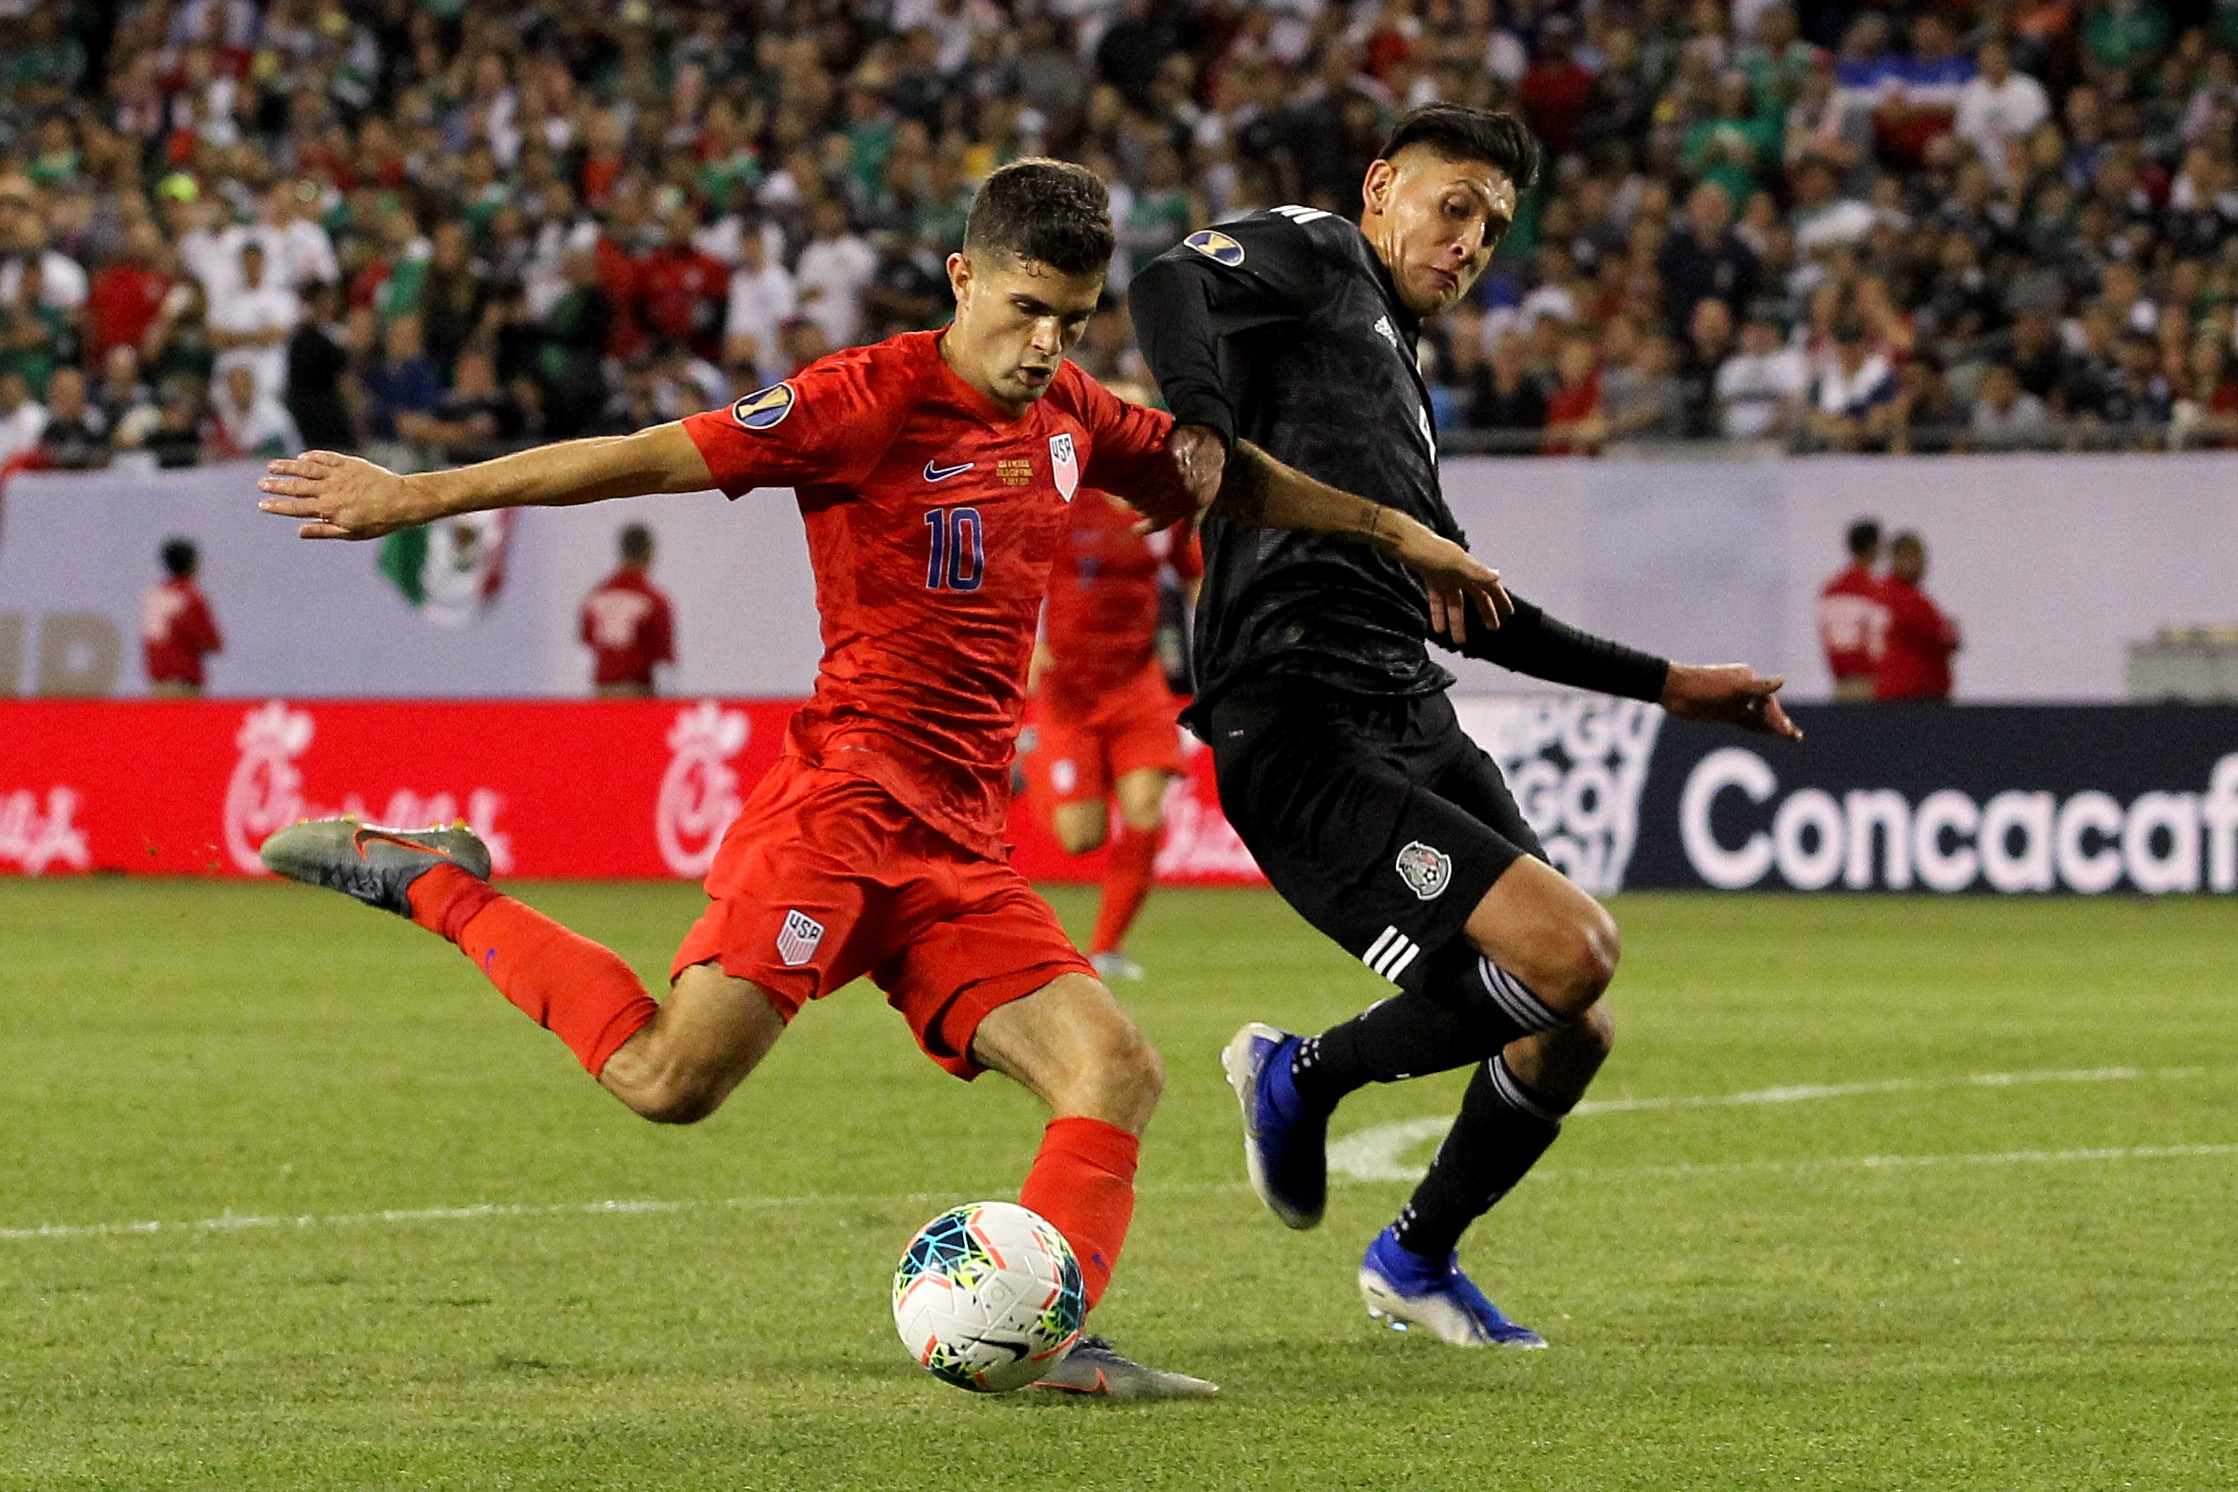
pixel 1285 329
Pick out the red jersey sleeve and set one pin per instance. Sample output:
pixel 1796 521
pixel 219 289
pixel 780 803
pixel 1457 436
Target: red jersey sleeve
pixel 1127 450
pixel 1188 558
pixel 826 426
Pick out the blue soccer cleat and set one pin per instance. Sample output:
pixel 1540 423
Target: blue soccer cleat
pixel 375 865
pixel 1408 1290
pixel 1285 1144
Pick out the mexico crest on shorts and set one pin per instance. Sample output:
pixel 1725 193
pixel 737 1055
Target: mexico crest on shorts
pixel 1064 464
pixel 1426 871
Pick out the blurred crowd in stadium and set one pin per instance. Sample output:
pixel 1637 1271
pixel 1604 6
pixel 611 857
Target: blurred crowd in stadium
pixel 424 227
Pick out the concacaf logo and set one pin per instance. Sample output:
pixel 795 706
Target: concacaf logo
pixel 1216 246
pixel 764 409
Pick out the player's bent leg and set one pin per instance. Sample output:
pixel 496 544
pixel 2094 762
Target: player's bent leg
pixel 708 1035
pixel 1561 1064
pixel 1075 1049
pixel 1081 827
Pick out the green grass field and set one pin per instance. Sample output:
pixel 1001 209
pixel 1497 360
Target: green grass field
pixel 1740 1295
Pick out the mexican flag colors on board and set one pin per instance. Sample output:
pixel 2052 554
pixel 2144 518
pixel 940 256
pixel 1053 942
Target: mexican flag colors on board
pixel 453 570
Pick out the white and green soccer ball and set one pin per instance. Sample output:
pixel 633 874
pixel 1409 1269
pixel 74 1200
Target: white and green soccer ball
pixel 988 1297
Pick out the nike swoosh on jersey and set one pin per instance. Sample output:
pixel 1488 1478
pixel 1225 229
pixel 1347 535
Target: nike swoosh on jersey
pixel 943 473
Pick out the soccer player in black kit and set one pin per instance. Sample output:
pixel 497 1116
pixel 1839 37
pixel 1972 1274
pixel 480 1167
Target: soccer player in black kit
pixel 1339 758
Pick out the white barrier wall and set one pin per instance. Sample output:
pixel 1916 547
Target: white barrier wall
pixel 2052 564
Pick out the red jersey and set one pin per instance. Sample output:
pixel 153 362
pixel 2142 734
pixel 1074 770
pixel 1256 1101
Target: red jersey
pixel 1915 656
pixel 176 629
pixel 122 305
pixel 1102 619
pixel 1851 620
pixel 933 517
pixel 630 627
pixel 683 292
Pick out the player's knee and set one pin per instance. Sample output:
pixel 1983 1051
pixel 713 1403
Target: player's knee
pixel 672 1094
pixel 1578 961
pixel 1081 839
pixel 1123 1078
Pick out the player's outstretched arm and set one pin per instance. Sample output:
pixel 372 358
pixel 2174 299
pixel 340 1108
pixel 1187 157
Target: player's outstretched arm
pixel 347 497
pixel 1260 492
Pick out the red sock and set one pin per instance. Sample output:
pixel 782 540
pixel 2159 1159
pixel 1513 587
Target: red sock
pixel 1126 881
pixel 574 988
pixel 1083 1181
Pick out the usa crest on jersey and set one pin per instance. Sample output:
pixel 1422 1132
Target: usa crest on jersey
pixel 1064 465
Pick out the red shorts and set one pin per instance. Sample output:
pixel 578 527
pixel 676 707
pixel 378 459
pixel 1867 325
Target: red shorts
pixel 1080 752
pixel 823 878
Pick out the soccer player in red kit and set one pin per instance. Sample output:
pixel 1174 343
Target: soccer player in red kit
pixel 1915 656
pixel 176 627
pixel 1852 617
pixel 628 623
pixel 1105 722
pixel 933 472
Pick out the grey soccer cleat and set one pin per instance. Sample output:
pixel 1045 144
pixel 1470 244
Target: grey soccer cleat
pixel 1115 966
pixel 1093 1370
pixel 373 864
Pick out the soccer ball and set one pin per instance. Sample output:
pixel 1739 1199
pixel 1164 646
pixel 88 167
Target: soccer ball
pixel 988 1297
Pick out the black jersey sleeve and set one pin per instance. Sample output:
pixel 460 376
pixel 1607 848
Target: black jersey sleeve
pixel 1531 642
pixel 1213 284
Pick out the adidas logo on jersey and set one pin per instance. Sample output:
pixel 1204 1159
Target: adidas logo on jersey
pixel 1388 332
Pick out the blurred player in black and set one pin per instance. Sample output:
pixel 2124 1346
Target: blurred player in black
pixel 1340 760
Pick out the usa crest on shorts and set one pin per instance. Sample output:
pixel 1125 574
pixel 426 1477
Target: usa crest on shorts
pixel 1427 871
pixel 1064 465
pixel 797 939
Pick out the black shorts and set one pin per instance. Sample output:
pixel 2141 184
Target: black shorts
pixel 1380 821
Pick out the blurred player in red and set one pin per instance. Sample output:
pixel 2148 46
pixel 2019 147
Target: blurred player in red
pixel 933 472
pixel 1852 616
pixel 176 628
pixel 1916 652
pixel 628 623
pixel 1105 720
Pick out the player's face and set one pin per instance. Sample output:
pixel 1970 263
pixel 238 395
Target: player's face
pixel 1436 223
pixel 1015 321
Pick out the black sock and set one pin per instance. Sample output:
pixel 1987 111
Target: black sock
pixel 1466 1012
pixel 1502 1130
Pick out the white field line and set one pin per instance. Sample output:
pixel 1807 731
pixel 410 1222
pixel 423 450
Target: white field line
pixel 1374 1154
pixel 1387 1139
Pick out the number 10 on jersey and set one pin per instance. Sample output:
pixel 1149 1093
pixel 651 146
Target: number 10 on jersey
pixel 958 561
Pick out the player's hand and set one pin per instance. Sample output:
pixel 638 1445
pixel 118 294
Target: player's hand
pixel 1456 579
pixel 1201 461
pixel 1728 694
pixel 341 497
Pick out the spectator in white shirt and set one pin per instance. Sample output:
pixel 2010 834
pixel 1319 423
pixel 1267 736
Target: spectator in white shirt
pixel 250 322
pixel 1822 216
pixel 63 281
pixel 832 272
pixel 1997 106
pixel 247 421
pixel 1761 388
pixel 762 296
pixel 2005 414
pixel 1856 390
pixel 22 418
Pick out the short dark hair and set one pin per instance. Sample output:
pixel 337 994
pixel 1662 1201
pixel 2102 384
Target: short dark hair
pixel 1460 132
pixel 1865 538
pixel 180 558
pixel 637 543
pixel 1044 211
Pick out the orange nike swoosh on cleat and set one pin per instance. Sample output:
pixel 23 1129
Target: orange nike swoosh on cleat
pixel 359 840
pixel 1103 1386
